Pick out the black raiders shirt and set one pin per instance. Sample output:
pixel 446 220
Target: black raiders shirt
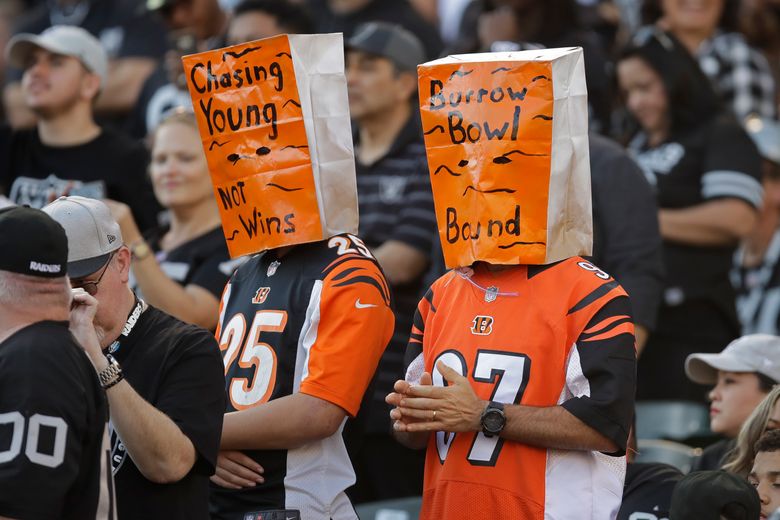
pixel 53 456
pixel 111 165
pixel 713 161
pixel 315 320
pixel 177 369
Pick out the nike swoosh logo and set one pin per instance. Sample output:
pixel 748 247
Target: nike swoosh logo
pixel 359 305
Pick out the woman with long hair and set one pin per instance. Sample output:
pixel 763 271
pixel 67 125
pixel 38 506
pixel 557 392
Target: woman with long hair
pixel 182 267
pixel 765 417
pixel 705 172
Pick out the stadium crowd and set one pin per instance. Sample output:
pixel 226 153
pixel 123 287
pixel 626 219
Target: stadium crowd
pixel 103 174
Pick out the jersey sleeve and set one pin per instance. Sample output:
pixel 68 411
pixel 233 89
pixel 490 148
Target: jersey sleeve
pixel 349 328
pixel 413 358
pixel 732 165
pixel 601 372
pixel 44 428
pixel 196 404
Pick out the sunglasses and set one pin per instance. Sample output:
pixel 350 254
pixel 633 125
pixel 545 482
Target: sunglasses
pixel 91 286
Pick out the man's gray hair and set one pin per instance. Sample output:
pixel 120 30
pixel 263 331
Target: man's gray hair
pixel 16 289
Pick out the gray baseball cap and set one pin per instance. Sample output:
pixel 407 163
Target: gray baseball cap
pixel 92 232
pixel 766 136
pixel 389 41
pixel 752 353
pixel 67 40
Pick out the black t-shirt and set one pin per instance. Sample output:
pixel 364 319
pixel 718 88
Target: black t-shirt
pixel 52 426
pixel 715 160
pixel 714 456
pixel 111 165
pixel 177 368
pixel 203 261
pixel 647 493
pixel 626 240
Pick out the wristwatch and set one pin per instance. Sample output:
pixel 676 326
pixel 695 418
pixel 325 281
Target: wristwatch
pixel 140 250
pixel 493 419
pixel 112 374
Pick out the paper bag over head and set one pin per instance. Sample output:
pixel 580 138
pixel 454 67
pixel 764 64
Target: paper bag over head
pixel 274 121
pixel 507 141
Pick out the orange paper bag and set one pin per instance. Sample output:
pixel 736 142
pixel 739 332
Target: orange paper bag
pixel 507 141
pixel 274 120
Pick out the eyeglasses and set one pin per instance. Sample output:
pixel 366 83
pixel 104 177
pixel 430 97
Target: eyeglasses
pixel 91 287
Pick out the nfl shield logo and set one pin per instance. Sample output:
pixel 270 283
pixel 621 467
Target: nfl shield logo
pixel 491 293
pixel 273 267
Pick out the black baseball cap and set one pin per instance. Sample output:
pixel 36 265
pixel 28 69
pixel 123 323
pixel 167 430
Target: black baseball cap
pixel 703 495
pixel 389 41
pixel 32 243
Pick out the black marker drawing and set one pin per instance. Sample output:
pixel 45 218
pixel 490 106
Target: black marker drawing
pixel 447 169
pixel 497 190
pixel 513 244
pixel 542 116
pixel 291 101
pixel 284 54
pixel 234 158
pixel 295 146
pixel 237 55
pixel 504 159
pixel 263 150
pixel 233 235
pixel 437 128
pixel 273 185
pixel 542 76
pixel 211 146
pixel 505 69
pixel 460 73
pixel 463 162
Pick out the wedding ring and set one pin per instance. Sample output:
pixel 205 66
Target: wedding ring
pixel 434 415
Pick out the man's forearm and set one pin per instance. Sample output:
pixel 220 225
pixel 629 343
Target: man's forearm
pixel 714 223
pixel 552 427
pixel 157 446
pixel 285 423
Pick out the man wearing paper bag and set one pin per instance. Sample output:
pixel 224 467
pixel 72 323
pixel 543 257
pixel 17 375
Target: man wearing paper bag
pixel 302 324
pixel 521 369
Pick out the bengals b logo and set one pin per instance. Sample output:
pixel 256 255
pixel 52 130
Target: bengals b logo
pixel 482 325
pixel 261 295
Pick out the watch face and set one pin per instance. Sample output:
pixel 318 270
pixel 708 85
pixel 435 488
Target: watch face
pixel 493 421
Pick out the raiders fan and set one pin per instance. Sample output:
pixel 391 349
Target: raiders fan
pixel 53 460
pixel 163 378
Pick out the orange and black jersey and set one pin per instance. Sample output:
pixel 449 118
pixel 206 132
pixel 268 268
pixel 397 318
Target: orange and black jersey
pixel 315 320
pixel 560 334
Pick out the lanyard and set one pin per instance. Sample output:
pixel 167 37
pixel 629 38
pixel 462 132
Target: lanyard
pixel 139 307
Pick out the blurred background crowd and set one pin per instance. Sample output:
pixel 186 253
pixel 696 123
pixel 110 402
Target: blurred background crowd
pixel 685 160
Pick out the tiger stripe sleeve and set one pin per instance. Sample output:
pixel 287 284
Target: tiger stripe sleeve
pixel 601 372
pixel 348 334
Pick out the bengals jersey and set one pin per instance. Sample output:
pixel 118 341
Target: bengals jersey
pixel 560 334
pixel 315 320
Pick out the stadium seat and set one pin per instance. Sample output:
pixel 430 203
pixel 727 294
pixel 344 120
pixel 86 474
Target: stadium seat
pixel 396 509
pixel 672 420
pixel 669 452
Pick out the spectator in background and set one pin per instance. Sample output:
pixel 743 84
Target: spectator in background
pixel 166 397
pixel 764 473
pixel 257 19
pixel 765 417
pixel 195 26
pixel 9 12
pixel 183 267
pixel 705 172
pixel 398 223
pixel 714 495
pixel 739 73
pixel 68 152
pixel 53 410
pixel 760 22
pixel 743 374
pixel 133 41
pixel 510 25
pixel 626 240
pixel 345 15
pixel 756 272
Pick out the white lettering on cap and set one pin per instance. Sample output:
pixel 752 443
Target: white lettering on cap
pixel 45 268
